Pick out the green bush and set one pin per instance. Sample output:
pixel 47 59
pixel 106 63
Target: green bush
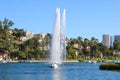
pixel 18 54
pixel 81 60
pixel 98 59
pixel 109 67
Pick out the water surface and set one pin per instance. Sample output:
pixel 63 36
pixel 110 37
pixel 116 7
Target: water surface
pixel 68 71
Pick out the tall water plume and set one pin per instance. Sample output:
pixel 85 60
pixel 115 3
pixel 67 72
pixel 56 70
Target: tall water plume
pixel 58 46
pixel 55 46
pixel 63 36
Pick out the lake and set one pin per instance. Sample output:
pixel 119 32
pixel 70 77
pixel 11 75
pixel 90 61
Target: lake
pixel 67 71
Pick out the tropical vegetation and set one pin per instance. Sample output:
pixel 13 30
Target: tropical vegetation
pixel 76 48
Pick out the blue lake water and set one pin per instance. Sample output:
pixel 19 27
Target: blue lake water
pixel 68 71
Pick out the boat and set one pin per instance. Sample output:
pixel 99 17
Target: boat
pixel 28 61
pixel 54 65
pixel 5 61
pixel 92 61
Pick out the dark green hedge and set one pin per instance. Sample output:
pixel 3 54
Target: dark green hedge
pixel 109 67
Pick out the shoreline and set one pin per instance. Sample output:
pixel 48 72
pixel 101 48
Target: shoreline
pixel 40 61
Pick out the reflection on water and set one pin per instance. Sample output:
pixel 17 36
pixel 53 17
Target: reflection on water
pixel 58 74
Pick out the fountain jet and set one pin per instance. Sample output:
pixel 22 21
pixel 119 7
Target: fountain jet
pixel 63 36
pixel 58 46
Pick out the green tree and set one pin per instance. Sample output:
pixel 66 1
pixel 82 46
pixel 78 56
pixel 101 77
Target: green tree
pixel 71 52
pixel 1 30
pixel 117 45
pixel 94 48
pixel 18 33
pixel 5 34
pixel 80 44
pixel 6 24
pixel 86 49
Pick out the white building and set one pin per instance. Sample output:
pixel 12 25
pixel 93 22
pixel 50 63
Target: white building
pixel 28 35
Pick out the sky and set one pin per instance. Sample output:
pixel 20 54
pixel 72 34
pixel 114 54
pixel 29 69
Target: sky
pixel 85 18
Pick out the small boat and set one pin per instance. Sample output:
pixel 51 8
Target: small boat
pixel 54 65
pixel 5 61
pixel 5 58
pixel 89 61
pixel 92 61
pixel 29 61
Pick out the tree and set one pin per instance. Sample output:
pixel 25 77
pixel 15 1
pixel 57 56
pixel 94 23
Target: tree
pixel 5 34
pixel 71 52
pixel 18 33
pixel 86 45
pixel 117 45
pixel 46 41
pixel 37 53
pixel 3 45
pixel 1 30
pixel 94 48
pixel 6 24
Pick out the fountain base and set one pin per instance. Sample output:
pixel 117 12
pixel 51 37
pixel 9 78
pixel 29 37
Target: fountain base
pixel 54 65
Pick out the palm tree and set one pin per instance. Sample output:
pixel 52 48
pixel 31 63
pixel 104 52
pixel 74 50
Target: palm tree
pixel 80 44
pixel 93 48
pixel 5 35
pixel 6 28
pixel 86 49
pixel 117 45
pixel 48 40
pixel 1 30
pixel 18 33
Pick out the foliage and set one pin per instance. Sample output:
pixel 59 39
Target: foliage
pixel 18 54
pixel 81 60
pixel 10 40
pixel 18 33
pixel 71 52
pixel 109 67
pixel 117 45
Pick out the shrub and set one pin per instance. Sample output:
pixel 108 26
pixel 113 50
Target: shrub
pixel 109 67
pixel 81 60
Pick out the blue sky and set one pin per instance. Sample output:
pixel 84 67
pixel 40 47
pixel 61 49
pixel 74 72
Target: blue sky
pixel 85 18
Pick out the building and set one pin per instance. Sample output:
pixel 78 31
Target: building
pixel 28 35
pixel 40 37
pixel 106 40
pixel 117 37
pixel 111 40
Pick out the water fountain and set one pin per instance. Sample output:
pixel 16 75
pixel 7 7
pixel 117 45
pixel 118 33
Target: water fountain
pixel 58 41
pixel 63 36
